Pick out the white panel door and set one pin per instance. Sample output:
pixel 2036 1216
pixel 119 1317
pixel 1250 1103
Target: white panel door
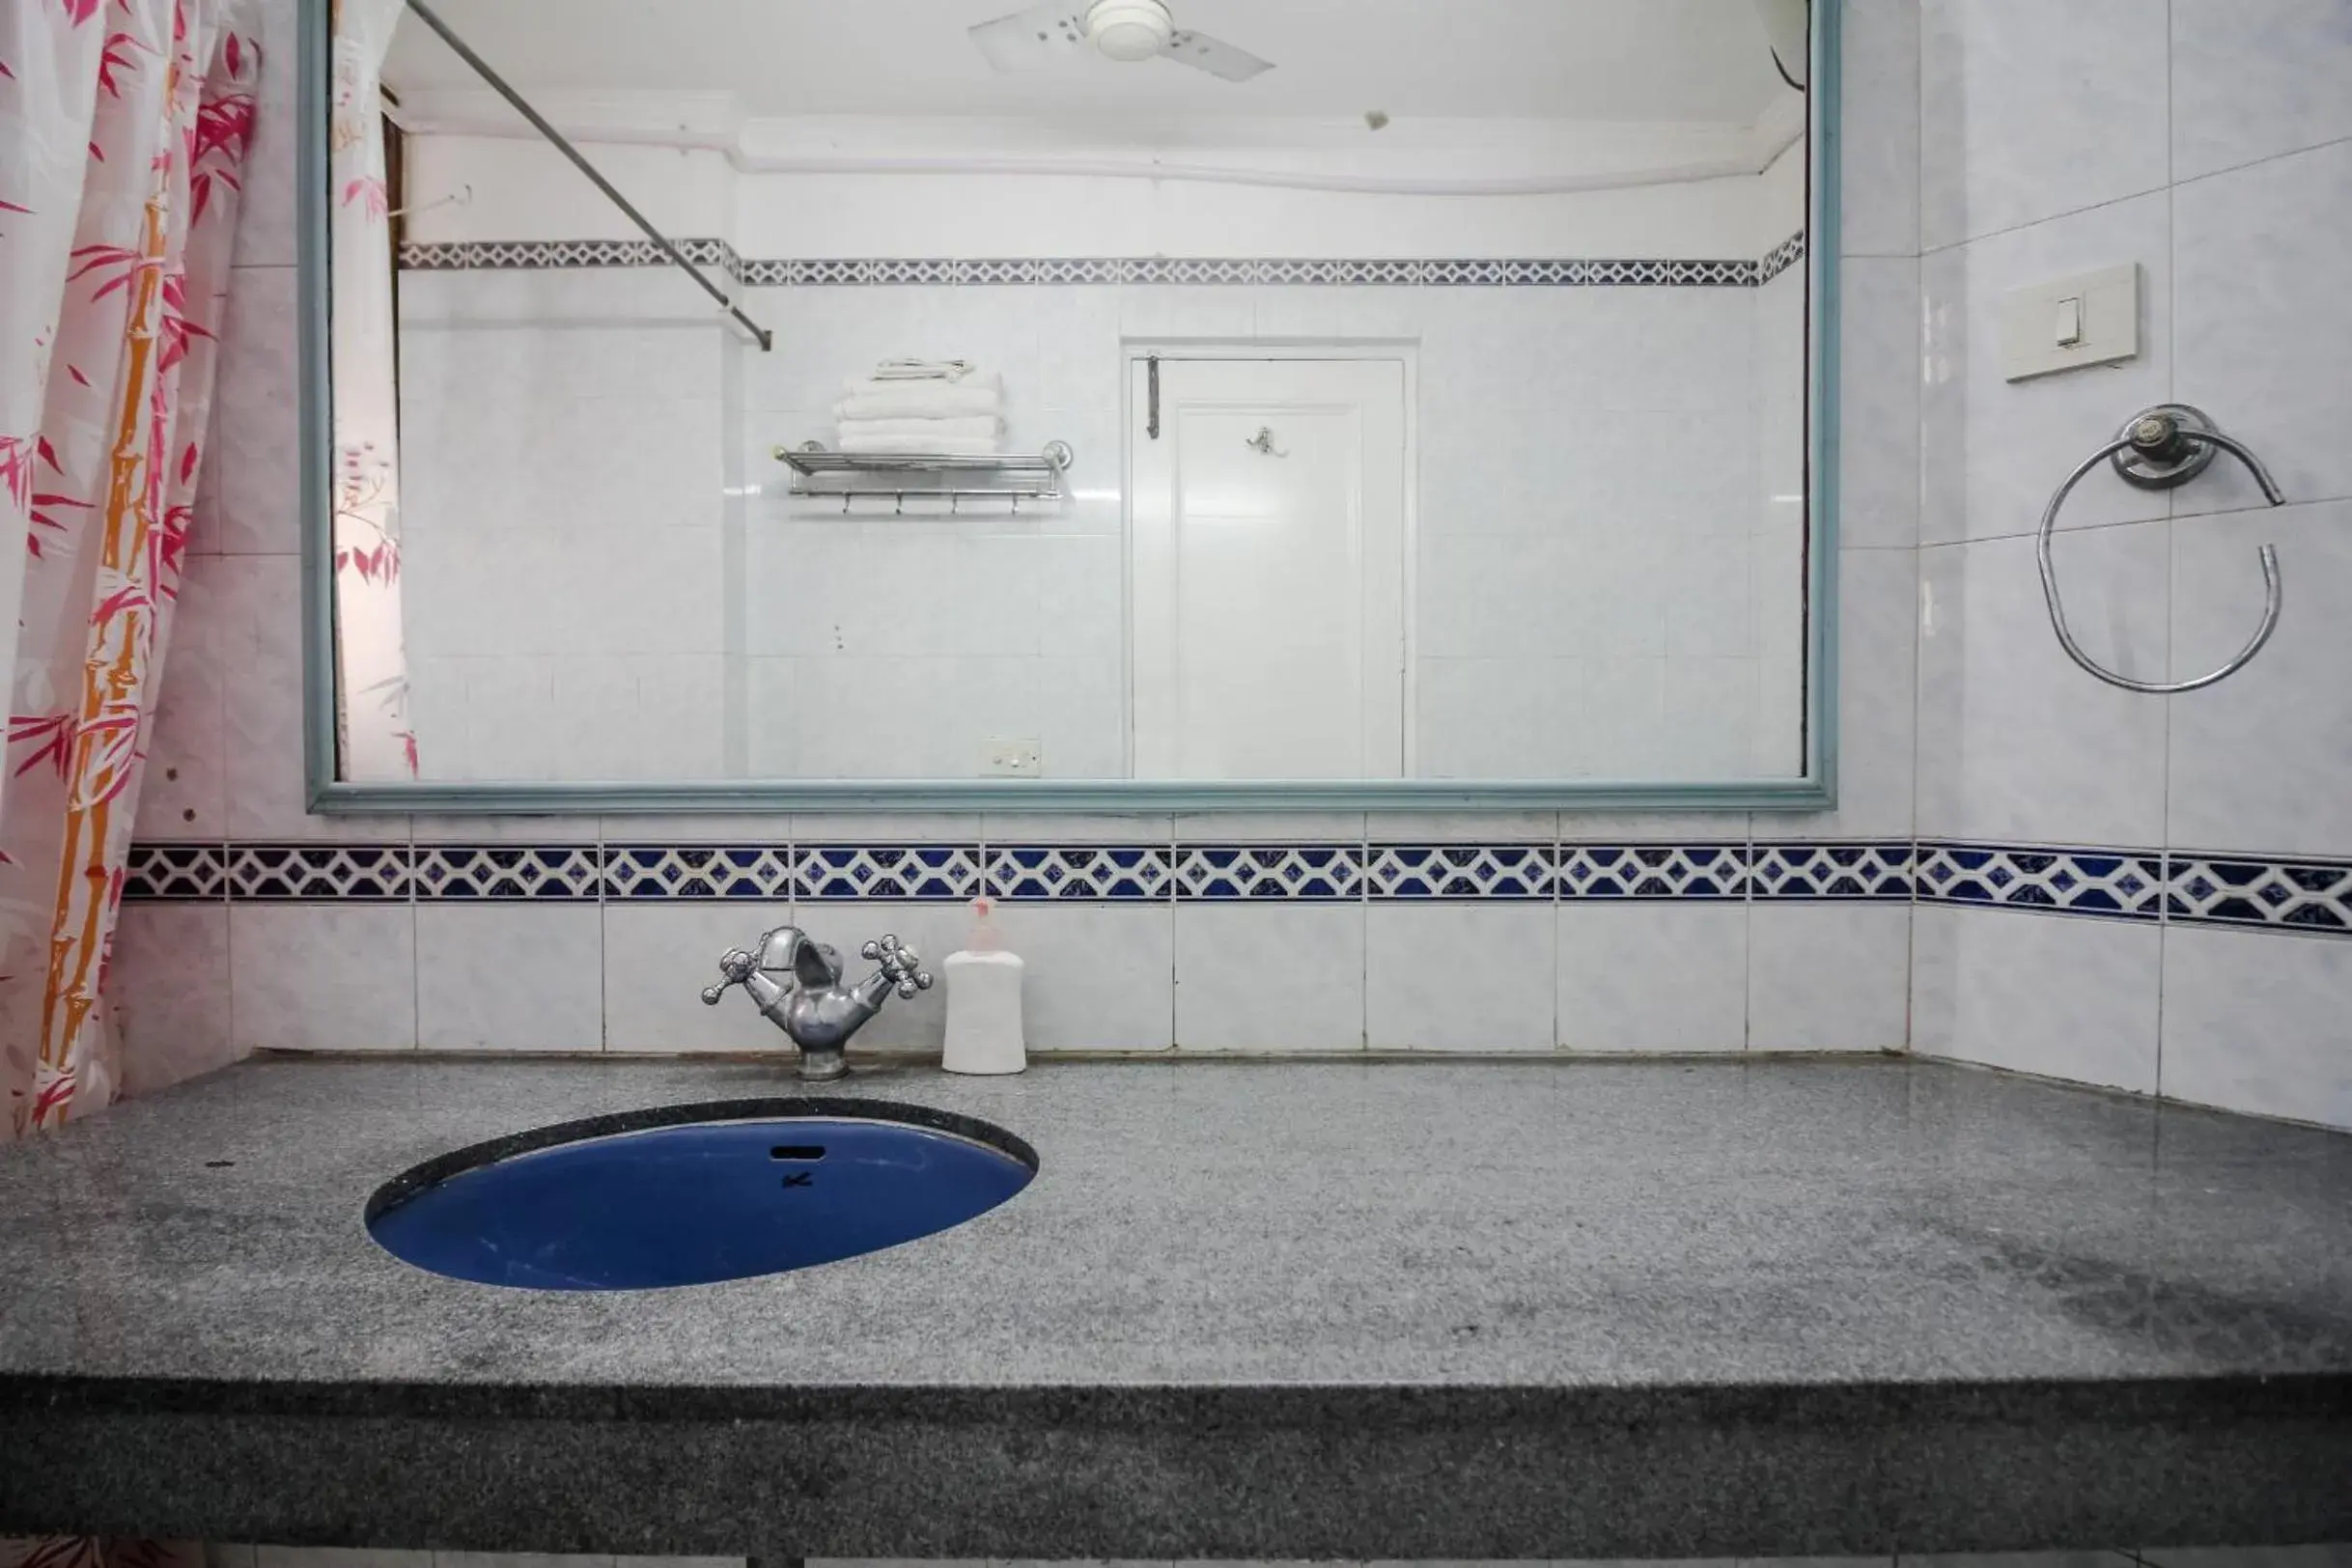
pixel 1268 579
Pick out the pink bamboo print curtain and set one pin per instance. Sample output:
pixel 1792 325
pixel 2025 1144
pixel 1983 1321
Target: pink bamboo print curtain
pixel 123 126
pixel 377 740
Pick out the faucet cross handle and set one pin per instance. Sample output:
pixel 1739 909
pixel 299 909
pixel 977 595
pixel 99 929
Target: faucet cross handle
pixel 737 965
pixel 901 964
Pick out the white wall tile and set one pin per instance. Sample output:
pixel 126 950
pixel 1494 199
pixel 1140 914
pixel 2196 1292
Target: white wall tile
pixel 252 445
pixel 2263 318
pixel 182 790
pixel 1663 977
pixel 1270 977
pixel 1879 184
pixel 2254 1022
pixel 510 976
pixel 2015 744
pixel 2254 78
pixel 2257 761
pixel 1878 404
pixel 167 992
pixel 1877 677
pixel 1473 977
pixel 1099 976
pixel 1828 976
pixel 1992 450
pixel 2028 110
pixel 657 959
pixel 2061 997
pixel 323 976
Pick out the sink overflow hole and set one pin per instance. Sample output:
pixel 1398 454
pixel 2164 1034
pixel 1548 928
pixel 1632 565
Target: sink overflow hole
pixel 797 1151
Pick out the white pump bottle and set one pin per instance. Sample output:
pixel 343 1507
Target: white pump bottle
pixel 983 1033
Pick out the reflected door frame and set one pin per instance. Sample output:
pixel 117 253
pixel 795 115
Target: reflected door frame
pixel 1149 528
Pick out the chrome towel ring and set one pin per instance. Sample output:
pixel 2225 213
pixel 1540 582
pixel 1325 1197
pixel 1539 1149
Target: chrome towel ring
pixel 2168 444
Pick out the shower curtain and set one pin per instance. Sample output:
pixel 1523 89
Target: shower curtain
pixel 124 128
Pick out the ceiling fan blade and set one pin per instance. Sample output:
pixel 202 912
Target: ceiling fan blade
pixel 1214 56
pixel 1039 36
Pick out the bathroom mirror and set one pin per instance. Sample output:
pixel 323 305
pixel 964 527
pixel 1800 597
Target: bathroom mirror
pixel 735 404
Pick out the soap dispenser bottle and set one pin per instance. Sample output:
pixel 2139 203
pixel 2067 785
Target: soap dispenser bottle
pixel 984 1002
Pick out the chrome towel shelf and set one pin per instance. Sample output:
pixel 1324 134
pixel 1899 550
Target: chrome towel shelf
pixel 854 476
pixel 2159 448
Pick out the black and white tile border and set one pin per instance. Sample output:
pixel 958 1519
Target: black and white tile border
pixel 768 273
pixel 2307 896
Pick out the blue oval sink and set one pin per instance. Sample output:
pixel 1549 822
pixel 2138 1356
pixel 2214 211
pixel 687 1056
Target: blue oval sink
pixel 693 1194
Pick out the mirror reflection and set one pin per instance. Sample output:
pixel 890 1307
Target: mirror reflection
pixel 1217 390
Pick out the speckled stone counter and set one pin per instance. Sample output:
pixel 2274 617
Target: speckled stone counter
pixel 1248 1310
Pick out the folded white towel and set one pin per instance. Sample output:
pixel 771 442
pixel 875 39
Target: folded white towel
pixel 890 377
pixel 922 399
pixel 925 446
pixel 923 369
pixel 988 426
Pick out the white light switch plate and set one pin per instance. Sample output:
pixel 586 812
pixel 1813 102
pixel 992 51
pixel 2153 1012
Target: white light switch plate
pixel 2099 310
pixel 1022 758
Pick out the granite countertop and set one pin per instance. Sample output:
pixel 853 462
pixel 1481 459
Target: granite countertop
pixel 1246 1309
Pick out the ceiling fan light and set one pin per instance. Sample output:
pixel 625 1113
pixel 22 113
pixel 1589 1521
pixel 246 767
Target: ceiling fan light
pixel 1129 30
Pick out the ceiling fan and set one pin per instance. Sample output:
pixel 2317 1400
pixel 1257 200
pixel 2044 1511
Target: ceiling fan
pixel 1128 30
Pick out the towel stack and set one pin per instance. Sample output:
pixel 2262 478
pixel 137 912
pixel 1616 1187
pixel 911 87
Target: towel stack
pixel 935 408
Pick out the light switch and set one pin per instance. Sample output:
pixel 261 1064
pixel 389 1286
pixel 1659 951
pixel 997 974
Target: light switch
pixel 2089 318
pixel 2069 322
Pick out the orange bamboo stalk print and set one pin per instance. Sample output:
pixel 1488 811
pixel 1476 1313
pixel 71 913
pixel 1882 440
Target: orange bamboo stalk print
pixel 121 634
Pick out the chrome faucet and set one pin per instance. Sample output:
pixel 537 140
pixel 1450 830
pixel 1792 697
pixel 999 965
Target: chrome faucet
pixel 796 982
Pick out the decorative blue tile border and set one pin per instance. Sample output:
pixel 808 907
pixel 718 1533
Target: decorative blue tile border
pixel 2118 884
pixel 1375 272
pixel 2243 892
pixel 2293 895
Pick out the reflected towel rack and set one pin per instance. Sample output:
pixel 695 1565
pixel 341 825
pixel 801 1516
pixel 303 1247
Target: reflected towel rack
pixel 902 477
pixel 2168 444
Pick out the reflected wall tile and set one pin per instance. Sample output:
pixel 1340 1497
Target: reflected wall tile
pixel 1879 145
pixel 2028 110
pixel 1099 976
pixel 2257 1024
pixel 2259 258
pixel 1464 977
pixel 2259 763
pixel 2254 78
pixel 2037 993
pixel 1828 977
pixel 323 976
pixel 2015 744
pixel 1073 827
pixel 527 977
pixel 167 991
pixel 261 641
pixel 1653 977
pixel 1270 977
pixel 252 444
pixel 1878 497
pixel 1992 450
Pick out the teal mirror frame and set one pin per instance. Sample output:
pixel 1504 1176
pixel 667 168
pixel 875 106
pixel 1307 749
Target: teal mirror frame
pixel 1816 790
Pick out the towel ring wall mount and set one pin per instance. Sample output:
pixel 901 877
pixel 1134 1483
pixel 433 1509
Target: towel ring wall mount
pixel 2159 448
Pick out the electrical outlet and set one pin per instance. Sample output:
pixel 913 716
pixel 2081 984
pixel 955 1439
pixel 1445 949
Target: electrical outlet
pixel 1021 758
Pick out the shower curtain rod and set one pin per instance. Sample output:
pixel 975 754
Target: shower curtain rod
pixel 539 122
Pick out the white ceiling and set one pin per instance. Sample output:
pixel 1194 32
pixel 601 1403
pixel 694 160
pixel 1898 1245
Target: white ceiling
pixel 1583 60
